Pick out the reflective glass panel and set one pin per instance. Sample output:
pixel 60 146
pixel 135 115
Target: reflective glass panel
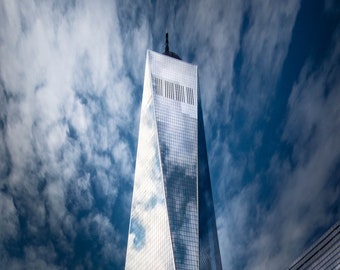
pixel 176 115
pixel 149 242
pixel 172 224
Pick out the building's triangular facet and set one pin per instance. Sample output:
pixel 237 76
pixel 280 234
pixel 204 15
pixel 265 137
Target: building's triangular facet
pixel 172 224
pixel 209 248
pixel 149 243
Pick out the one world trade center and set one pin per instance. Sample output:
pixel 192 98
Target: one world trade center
pixel 172 222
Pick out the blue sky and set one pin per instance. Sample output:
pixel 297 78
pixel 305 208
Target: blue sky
pixel 71 76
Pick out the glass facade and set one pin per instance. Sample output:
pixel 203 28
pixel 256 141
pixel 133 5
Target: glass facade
pixel 323 254
pixel 172 224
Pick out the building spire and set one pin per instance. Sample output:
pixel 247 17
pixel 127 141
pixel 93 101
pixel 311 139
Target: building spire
pixel 167 51
pixel 166 42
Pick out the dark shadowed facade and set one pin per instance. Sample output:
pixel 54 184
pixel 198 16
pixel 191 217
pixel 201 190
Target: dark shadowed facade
pixel 324 254
pixel 172 224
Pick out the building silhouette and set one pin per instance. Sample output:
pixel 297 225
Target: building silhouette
pixel 323 254
pixel 172 223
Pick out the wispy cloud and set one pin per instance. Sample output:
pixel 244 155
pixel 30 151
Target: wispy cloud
pixel 66 99
pixel 71 77
pixel 305 183
pixel 261 42
pixel 310 186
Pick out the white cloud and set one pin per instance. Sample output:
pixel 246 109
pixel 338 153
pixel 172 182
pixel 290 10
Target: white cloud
pixel 69 73
pixel 272 236
pixel 35 257
pixel 67 97
pixel 264 48
pixel 306 188
pixel 211 30
pixel 9 223
pixel 101 232
pixel 41 257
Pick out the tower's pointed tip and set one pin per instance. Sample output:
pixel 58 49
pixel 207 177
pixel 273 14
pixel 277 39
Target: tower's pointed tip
pixel 166 42
pixel 167 50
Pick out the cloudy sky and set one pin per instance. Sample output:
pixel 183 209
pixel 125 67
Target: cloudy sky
pixel 71 76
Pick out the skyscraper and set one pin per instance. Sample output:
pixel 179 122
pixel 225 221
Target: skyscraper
pixel 172 223
pixel 323 254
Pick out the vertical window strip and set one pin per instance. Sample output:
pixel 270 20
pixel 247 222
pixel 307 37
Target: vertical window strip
pixel 169 89
pixel 158 85
pixel 161 88
pixel 166 89
pixel 154 83
pixel 193 98
pixel 188 98
pixel 172 95
pixel 190 95
pixel 177 92
pixel 182 93
pixel 174 91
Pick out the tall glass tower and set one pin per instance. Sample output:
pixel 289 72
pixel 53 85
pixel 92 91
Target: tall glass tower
pixel 172 224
